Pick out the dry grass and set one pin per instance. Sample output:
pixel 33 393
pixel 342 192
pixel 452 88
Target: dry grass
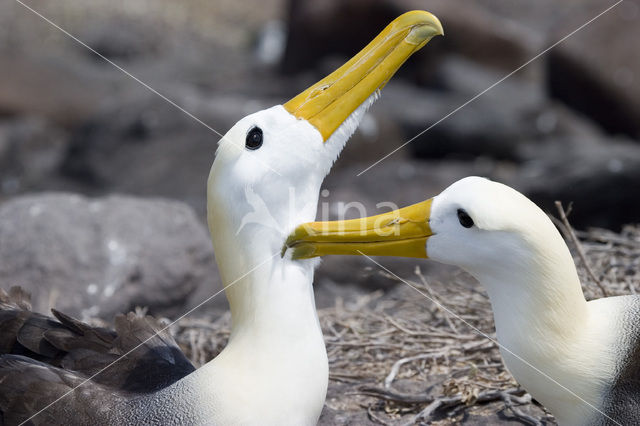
pixel 400 358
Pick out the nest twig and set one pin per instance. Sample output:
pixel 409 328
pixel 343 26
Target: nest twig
pixel 571 235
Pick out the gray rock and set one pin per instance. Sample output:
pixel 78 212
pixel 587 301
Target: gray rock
pixel 456 128
pixel 98 257
pixel 63 89
pixel 597 71
pixel 146 147
pixel 601 177
pixel 134 39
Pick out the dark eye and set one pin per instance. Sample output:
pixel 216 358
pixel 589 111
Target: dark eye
pixel 465 219
pixel 254 138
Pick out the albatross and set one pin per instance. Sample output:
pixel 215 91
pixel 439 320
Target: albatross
pixel 580 359
pixel 265 180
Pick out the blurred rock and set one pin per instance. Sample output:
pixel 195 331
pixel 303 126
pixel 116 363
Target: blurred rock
pixel 31 150
pixel 332 27
pixel 454 126
pixel 61 88
pixel 450 126
pixel 378 134
pixel 599 177
pixel 597 71
pixel 134 38
pixel 344 27
pixel 144 147
pixel 95 258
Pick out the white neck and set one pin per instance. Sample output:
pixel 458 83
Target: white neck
pixel 542 293
pixel 546 331
pixel 274 369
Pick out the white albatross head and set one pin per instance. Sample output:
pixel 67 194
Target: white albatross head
pixel 486 228
pixel 489 230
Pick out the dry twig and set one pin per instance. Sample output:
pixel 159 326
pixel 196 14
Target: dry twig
pixel 574 239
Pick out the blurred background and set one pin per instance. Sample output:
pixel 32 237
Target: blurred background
pixel 565 127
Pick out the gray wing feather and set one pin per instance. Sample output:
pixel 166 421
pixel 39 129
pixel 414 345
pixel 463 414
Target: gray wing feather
pixel 42 358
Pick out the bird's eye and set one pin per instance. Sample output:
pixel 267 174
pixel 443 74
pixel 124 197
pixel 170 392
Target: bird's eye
pixel 465 219
pixel 254 138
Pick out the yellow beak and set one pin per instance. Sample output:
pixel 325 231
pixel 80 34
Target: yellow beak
pixel 329 102
pixel 402 232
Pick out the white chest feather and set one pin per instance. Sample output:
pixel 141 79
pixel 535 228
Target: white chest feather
pixel 568 367
pixel 265 386
pixel 274 370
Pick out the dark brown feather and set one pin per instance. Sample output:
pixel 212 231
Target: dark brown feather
pixel 28 386
pixel 55 355
pixel 31 335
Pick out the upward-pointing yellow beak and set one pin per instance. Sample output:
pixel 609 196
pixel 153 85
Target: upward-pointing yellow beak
pixel 329 102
